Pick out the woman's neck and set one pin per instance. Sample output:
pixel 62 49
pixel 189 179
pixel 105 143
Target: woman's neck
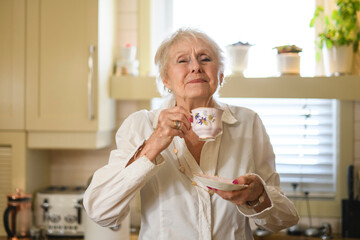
pixel 190 104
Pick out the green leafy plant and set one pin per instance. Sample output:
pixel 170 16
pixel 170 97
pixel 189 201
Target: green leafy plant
pixel 341 27
pixel 288 49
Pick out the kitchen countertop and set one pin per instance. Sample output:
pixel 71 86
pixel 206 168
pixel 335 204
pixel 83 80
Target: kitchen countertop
pixel 132 237
pixel 284 236
pixel 275 236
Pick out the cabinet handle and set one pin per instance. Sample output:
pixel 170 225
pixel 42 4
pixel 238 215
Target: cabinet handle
pixel 90 83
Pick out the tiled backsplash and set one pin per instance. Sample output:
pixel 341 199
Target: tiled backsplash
pixel 127 23
pixel 75 167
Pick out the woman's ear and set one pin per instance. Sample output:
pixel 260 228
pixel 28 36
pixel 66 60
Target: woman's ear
pixel 221 78
pixel 166 82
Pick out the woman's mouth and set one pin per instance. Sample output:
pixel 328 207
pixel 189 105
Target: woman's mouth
pixel 198 80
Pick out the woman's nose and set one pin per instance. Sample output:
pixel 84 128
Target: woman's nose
pixel 196 67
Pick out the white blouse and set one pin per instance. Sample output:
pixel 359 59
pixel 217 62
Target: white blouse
pixel 173 208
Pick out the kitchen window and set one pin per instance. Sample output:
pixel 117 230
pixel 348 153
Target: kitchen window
pixel 303 134
pixel 263 23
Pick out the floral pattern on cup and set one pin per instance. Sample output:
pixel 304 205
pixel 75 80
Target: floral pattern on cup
pixel 205 118
pixel 206 122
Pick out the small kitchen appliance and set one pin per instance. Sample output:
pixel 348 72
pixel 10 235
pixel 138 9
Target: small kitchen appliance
pixel 350 218
pixel 18 215
pixel 59 210
pixel 350 209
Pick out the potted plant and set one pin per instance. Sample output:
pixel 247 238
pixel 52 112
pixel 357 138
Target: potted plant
pixel 238 56
pixel 340 35
pixel 288 59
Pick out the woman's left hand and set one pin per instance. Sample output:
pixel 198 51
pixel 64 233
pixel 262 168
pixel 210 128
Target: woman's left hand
pixel 251 193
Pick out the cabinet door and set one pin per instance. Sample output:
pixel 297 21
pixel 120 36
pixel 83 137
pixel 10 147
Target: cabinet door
pixel 60 34
pixel 12 63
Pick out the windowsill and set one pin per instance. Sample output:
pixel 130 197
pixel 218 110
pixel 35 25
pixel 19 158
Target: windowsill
pixel 342 87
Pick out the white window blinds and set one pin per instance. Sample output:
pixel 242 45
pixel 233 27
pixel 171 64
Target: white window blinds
pixel 303 134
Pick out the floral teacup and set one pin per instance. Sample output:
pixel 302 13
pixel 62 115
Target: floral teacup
pixel 206 122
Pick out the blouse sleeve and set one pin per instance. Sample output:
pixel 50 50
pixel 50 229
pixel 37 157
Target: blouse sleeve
pixel 107 198
pixel 282 212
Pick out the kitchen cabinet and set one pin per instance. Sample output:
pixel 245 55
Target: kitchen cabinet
pixel 69 60
pixel 12 64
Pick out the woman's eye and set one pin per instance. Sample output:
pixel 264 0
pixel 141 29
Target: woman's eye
pixel 181 61
pixel 205 59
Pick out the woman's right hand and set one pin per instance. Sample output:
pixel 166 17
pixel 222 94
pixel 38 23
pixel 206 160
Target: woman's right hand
pixel 165 131
pixel 166 127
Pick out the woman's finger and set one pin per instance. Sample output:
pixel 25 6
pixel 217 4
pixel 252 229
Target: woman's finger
pixel 176 118
pixel 254 189
pixel 180 114
pixel 240 180
pixel 167 127
pixel 236 197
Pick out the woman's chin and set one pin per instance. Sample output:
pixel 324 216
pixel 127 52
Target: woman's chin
pixel 199 92
pixel 199 96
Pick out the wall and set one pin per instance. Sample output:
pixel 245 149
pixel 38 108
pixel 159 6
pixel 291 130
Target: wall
pixel 127 22
pixel 75 167
pixel 357 146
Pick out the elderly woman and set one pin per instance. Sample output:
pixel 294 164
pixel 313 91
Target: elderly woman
pixel 158 153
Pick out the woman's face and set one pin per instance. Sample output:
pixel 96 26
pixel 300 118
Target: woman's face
pixel 193 72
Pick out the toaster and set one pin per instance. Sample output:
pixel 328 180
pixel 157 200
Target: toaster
pixel 60 211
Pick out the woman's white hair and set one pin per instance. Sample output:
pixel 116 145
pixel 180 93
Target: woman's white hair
pixel 162 54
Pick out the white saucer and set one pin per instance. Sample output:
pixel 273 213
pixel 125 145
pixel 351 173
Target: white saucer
pixel 219 183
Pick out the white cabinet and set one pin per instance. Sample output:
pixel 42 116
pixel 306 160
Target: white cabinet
pixel 12 64
pixel 69 60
